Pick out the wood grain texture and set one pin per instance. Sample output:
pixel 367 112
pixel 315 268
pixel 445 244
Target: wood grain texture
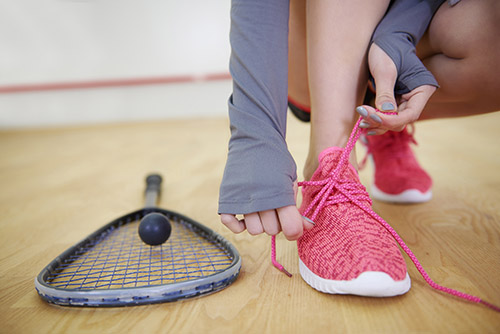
pixel 59 185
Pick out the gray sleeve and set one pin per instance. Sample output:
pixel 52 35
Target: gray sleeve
pixel 260 170
pixel 399 32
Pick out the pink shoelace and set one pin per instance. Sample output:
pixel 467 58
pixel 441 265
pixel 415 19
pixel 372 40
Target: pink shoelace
pixel 356 193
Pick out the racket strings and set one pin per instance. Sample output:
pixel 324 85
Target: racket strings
pixel 117 259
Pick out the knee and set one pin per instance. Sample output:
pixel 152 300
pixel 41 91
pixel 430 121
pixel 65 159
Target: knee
pixel 465 47
pixel 465 28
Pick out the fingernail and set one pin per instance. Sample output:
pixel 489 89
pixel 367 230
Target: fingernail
pixel 386 106
pixel 364 124
pixel 371 133
pixel 362 111
pixel 309 220
pixel 376 118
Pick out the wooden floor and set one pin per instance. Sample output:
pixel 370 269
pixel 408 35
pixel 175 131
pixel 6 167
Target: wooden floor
pixel 59 185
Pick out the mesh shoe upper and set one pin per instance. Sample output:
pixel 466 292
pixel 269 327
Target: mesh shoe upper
pixel 346 240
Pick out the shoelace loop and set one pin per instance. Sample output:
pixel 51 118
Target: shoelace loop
pixel 334 191
pixel 352 194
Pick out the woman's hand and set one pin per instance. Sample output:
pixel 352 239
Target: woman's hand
pixel 390 114
pixel 286 219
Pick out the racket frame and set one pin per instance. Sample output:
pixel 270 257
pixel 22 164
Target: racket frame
pixel 140 295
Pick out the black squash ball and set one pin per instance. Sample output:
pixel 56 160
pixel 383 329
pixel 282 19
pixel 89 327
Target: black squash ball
pixel 154 229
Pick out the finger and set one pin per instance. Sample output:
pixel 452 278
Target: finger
pixel 270 222
pixel 397 122
pixel 253 223
pixel 384 73
pixel 232 223
pixel 372 121
pixel 378 123
pixel 291 221
pixel 376 132
pixel 370 118
pixel 410 110
pixel 387 122
pixel 307 223
pixel 417 99
pixel 364 124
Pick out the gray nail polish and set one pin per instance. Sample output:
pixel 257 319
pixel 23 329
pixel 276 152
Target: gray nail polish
pixel 362 111
pixel 376 118
pixel 364 124
pixel 309 220
pixel 371 133
pixel 386 106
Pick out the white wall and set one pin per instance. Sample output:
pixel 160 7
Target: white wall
pixel 50 41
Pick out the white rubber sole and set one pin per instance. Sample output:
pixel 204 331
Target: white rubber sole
pixel 368 284
pixel 407 196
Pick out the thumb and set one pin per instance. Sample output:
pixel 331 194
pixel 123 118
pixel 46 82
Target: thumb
pixel 384 100
pixel 384 73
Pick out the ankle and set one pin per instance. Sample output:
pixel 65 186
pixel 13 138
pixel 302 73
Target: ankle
pixel 312 163
pixel 310 167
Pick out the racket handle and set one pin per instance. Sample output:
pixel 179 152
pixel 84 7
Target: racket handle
pixel 153 190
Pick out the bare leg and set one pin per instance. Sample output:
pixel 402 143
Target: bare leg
pixel 462 50
pixel 298 86
pixel 338 34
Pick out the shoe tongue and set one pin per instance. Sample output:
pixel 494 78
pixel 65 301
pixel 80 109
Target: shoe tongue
pixel 329 159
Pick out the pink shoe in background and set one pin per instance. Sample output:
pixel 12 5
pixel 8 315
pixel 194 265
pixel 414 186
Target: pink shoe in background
pixel 398 177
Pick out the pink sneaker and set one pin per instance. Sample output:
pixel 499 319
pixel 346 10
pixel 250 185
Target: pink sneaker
pixel 348 251
pixel 398 177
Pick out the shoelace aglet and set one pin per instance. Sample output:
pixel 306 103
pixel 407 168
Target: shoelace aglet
pixel 276 264
pixel 283 270
pixel 491 306
pixel 286 272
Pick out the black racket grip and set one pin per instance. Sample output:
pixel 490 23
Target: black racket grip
pixel 153 189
